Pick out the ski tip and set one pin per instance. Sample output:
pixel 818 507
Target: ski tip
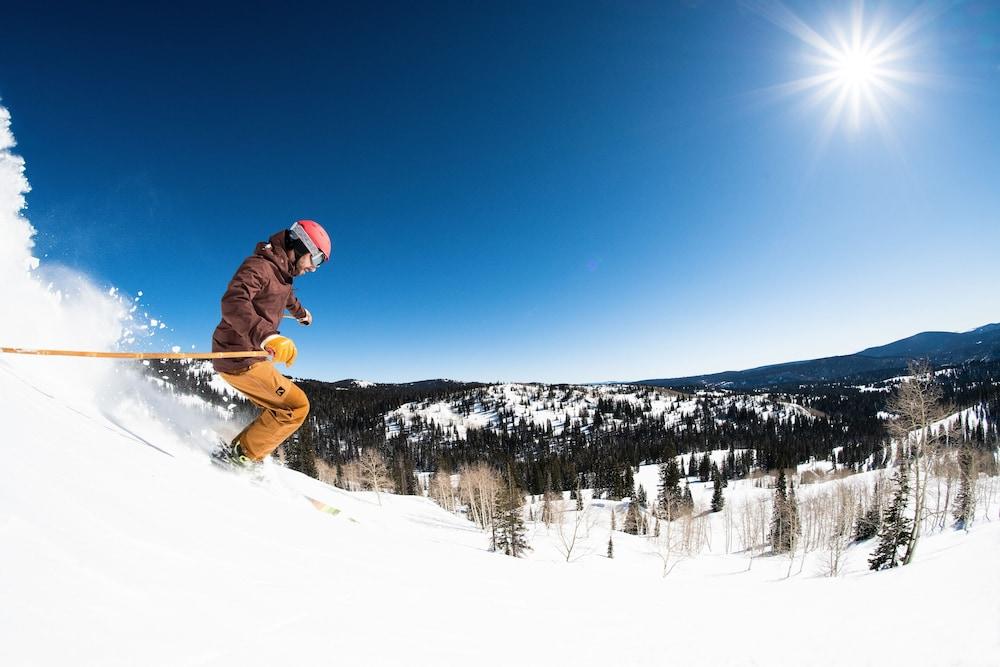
pixel 323 507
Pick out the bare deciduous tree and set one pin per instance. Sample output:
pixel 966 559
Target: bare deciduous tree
pixel 728 516
pixel 682 534
pixel 917 405
pixel 573 531
pixel 753 525
pixel 374 471
pixel 669 545
pixel 477 487
pixel 551 507
pixel 350 476
pixel 988 487
pixel 840 506
pixel 325 472
pixel 442 491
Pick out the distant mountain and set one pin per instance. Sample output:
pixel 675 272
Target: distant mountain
pixel 940 347
pixel 943 346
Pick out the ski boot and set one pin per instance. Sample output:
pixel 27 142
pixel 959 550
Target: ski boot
pixel 231 455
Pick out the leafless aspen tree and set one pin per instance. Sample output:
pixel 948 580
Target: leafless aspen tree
pixel 753 525
pixel 350 476
pixel 671 545
pixel 839 516
pixel 551 507
pixel 917 406
pixel 442 491
pixel 325 472
pixel 573 530
pixel 964 511
pixel 987 486
pixel 478 489
pixel 374 471
pixel 727 524
pixel 793 545
pixel 881 492
pixel 696 532
pixel 745 526
pixel 812 514
pixel 944 469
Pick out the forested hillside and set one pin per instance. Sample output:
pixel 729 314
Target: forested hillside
pixel 567 436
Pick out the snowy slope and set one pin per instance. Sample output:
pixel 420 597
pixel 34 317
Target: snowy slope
pixel 129 555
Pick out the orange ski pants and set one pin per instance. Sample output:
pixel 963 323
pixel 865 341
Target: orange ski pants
pixel 283 405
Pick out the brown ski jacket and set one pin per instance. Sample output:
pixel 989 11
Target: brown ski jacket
pixel 258 294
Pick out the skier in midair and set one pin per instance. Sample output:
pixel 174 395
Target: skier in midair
pixel 252 308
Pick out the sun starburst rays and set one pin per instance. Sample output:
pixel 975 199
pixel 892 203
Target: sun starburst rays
pixel 857 72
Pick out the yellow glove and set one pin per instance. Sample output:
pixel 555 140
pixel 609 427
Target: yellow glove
pixel 283 349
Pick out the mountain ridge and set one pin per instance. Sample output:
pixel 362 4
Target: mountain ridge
pixel 939 347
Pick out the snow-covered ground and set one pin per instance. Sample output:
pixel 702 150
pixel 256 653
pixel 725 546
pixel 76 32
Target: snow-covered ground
pixel 121 545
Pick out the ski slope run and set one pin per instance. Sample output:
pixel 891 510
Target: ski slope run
pixel 124 546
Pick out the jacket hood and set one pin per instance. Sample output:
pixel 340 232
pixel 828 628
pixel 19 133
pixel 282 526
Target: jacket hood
pixel 275 252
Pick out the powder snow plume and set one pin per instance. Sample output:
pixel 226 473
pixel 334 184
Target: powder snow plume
pixel 44 308
pixel 50 306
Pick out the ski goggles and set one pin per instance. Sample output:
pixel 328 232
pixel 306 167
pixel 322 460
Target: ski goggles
pixel 300 235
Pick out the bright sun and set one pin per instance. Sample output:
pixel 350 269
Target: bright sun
pixel 857 71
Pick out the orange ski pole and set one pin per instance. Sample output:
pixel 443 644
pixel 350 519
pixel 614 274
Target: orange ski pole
pixel 135 355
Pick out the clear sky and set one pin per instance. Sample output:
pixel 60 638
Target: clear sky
pixel 540 191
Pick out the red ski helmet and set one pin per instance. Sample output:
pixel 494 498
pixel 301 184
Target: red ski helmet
pixel 314 238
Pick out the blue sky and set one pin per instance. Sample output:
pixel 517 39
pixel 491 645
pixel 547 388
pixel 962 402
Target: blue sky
pixel 568 192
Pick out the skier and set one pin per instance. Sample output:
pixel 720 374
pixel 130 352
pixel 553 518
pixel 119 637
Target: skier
pixel 252 307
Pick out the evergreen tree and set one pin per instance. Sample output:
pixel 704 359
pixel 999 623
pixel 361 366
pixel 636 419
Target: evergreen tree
pixel 866 526
pixel 729 466
pixel 633 520
pixel 687 504
pixel 715 472
pixel 781 517
pixel 640 496
pixel 718 501
pixel 627 489
pixel 611 546
pixel 705 468
pixel 896 527
pixel 300 454
pixel 669 493
pixel 508 531
pixel 404 473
